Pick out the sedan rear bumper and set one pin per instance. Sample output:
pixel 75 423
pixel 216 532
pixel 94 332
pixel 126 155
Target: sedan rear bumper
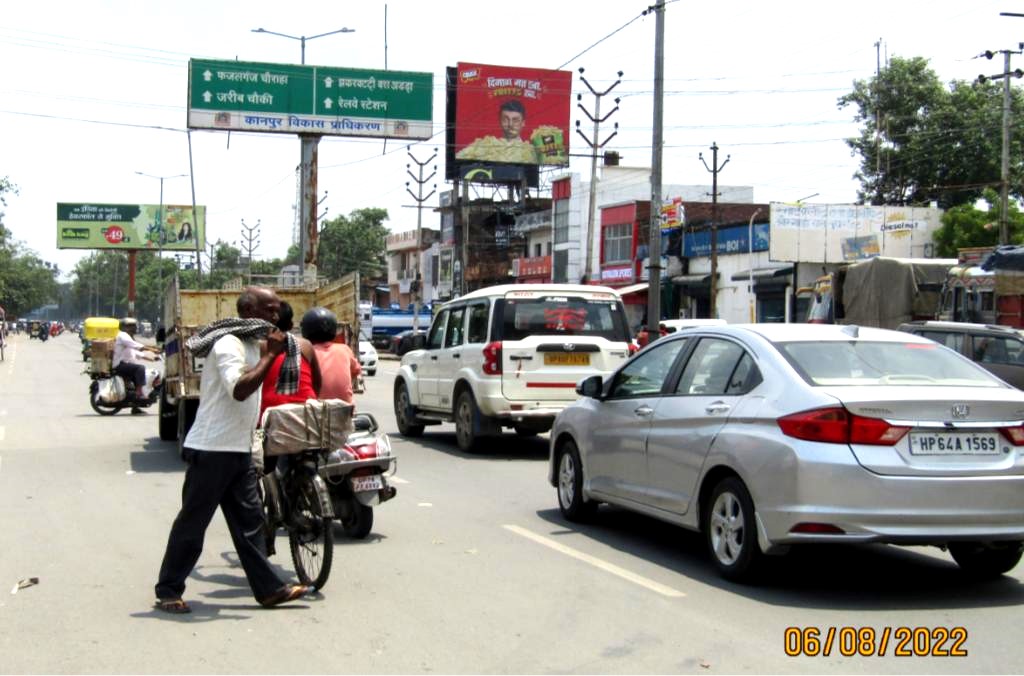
pixel 869 507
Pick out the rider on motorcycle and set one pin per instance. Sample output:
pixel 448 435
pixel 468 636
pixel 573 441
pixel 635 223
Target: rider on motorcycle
pixel 339 367
pixel 128 355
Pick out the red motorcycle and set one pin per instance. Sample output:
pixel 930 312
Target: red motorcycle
pixel 356 475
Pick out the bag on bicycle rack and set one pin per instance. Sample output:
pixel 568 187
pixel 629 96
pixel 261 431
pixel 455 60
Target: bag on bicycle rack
pixel 317 423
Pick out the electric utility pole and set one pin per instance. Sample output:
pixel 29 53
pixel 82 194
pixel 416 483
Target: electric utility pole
pixel 416 286
pixel 1004 188
pixel 657 140
pixel 595 145
pixel 714 169
pixel 250 242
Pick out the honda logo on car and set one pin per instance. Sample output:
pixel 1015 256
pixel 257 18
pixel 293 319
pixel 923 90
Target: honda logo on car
pixel 961 411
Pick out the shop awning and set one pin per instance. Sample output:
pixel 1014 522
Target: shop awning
pixel 633 288
pixel 763 273
pixel 700 279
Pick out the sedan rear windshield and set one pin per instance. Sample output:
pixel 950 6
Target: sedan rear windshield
pixel 882 363
pixel 517 318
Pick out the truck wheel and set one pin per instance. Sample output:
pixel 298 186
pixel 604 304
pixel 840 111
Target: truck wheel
pixel 404 414
pixel 168 418
pixel 186 416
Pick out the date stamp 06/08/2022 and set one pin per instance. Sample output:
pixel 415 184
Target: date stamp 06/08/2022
pixel 870 642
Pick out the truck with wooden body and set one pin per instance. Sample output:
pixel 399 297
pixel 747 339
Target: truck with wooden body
pixel 986 287
pixel 188 310
pixel 880 292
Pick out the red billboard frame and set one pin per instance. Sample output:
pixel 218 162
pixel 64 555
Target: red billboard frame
pixel 512 115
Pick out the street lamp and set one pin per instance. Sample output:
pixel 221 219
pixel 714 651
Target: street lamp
pixel 302 38
pixel 160 245
pixel 307 158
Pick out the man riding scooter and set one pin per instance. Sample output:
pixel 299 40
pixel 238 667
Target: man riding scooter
pixel 128 356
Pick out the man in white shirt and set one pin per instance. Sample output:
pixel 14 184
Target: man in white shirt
pixel 128 356
pixel 217 449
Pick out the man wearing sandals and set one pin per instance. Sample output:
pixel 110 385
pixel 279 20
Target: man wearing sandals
pixel 217 449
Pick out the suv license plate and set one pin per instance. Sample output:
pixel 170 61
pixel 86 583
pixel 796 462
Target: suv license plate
pixel 367 483
pixel 566 359
pixel 954 443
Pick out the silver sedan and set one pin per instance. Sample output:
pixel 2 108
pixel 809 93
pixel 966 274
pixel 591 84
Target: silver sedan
pixel 769 435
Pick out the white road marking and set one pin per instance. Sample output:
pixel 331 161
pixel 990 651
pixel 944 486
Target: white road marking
pixel 647 583
pixel 398 480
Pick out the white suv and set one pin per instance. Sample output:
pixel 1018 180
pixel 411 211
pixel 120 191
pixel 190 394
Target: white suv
pixel 510 356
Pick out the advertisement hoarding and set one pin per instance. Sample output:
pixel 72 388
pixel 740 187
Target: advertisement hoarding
pixel 837 233
pixel 130 226
pixel 294 99
pixel 511 115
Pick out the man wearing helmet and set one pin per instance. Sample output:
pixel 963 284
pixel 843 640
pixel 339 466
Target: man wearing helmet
pixel 339 367
pixel 128 355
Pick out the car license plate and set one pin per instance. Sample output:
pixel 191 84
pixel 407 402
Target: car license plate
pixel 367 483
pixel 566 359
pixel 954 443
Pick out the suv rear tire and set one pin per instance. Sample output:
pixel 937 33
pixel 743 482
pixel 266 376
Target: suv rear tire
pixel 466 417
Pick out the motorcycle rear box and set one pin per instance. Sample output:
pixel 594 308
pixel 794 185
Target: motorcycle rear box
pixel 101 328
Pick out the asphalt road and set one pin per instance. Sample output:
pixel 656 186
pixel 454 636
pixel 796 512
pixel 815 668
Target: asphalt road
pixel 471 569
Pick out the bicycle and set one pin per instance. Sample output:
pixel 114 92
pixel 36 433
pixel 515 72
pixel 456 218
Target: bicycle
pixel 298 501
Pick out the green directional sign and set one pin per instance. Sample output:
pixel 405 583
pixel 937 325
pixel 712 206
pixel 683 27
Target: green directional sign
pixel 293 99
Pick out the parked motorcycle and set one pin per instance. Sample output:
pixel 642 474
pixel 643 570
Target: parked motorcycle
pixel 355 475
pixel 110 392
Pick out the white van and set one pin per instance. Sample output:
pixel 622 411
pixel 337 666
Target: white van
pixel 510 356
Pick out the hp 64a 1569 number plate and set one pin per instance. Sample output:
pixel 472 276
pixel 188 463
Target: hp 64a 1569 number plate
pixel 954 443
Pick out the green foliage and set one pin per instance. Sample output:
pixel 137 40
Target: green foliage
pixel 353 243
pixel 967 226
pixel 934 142
pixel 26 281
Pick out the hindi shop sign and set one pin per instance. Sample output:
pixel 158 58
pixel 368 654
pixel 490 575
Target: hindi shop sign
pixel 130 226
pixel 274 97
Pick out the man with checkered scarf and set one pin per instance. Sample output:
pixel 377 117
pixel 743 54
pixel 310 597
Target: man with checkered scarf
pixel 217 449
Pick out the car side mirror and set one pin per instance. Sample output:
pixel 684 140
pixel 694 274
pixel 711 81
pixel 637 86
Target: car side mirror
pixel 161 335
pixel 592 386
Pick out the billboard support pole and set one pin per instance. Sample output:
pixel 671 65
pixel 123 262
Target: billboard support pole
pixel 131 283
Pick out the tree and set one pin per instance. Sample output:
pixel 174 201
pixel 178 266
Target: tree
pixel 968 226
pixel 26 281
pixel 353 243
pixel 934 143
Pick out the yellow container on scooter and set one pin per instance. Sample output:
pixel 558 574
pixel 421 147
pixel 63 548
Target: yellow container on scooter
pixel 101 328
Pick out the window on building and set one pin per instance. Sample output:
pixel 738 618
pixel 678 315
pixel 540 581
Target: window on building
pixel 561 222
pixel 549 249
pixel 560 267
pixel 537 249
pixel 618 243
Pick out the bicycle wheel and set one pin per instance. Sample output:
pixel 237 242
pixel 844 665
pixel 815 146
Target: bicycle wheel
pixel 310 538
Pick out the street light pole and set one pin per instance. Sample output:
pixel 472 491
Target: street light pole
pixel 307 164
pixel 160 249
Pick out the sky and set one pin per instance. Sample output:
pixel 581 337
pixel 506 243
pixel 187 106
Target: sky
pixel 94 92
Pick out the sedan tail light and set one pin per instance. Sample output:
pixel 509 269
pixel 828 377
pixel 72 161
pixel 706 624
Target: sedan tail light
pixel 1015 435
pixel 836 425
pixel 492 359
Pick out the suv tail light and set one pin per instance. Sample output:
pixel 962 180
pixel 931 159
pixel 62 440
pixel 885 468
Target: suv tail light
pixel 836 425
pixel 492 359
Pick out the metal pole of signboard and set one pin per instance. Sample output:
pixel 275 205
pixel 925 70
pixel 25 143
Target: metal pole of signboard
pixel 200 232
